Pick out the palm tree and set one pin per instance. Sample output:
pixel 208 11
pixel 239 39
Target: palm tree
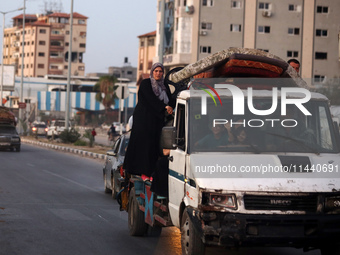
pixel 105 89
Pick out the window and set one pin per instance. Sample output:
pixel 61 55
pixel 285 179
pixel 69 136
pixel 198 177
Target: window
pixel 205 49
pixel 235 28
pixel 41 54
pixel 151 42
pixel 42 43
pixel 65 67
pixel 322 9
pixel 320 55
pixel 67 44
pixel 67 32
pixel 53 67
pixel 208 3
pixel 54 54
pixel 294 8
pixel 40 65
pixel 206 25
pixel 55 43
pixel 321 32
pixel 264 29
pixel 293 31
pixel 55 32
pixel 32 42
pixel 236 4
pixel 64 20
pixel 42 31
pixel 81 68
pixel 292 54
pixel 81 21
pixel 180 126
pixel 82 45
pixel 319 78
pixel 82 34
pixel 264 6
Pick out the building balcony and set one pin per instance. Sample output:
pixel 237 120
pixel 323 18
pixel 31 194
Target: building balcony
pixel 56 60
pixel 58 37
pixel 56 25
pixel 177 59
pixel 56 72
pixel 56 48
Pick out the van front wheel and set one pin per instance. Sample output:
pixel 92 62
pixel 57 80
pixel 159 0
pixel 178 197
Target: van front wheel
pixel 190 240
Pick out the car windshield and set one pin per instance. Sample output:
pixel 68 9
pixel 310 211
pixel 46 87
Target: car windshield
pixel 8 130
pixel 220 130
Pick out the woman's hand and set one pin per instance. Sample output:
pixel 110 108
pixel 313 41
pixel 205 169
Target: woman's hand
pixel 169 109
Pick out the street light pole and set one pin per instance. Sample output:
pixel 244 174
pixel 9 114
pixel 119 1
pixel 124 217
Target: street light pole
pixel 2 52
pixel 67 113
pixel 22 71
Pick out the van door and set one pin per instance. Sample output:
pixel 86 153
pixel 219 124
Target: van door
pixel 177 165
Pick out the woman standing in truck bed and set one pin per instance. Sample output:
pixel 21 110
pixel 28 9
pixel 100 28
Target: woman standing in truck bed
pixel 154 99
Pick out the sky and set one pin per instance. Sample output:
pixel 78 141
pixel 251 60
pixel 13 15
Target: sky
pixel 112 27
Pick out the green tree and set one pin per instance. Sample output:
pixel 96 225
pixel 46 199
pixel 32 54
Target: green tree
pixel 106 91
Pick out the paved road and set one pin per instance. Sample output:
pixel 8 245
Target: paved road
pixel 54 203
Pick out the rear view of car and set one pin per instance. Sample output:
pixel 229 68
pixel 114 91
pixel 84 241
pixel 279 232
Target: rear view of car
pixel 9 138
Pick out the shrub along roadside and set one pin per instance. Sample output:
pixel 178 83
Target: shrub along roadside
pixel 69 136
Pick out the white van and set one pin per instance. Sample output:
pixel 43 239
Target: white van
pixel 280 188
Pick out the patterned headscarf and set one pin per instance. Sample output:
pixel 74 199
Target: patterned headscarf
pixel 158 87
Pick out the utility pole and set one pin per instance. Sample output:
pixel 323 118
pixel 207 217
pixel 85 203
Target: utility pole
pixel 67 113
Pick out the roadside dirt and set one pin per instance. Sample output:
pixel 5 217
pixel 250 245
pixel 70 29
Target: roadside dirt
pixel 101 149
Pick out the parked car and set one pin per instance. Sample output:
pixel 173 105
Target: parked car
pixel 112 167
pixel 9 138
pixel 39 128
pixel 56 127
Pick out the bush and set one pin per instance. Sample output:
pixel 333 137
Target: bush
pixel 89 136
pixel 80 143
pixel 69 136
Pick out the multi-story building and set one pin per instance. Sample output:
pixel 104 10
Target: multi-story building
pixel 146 54
pixel 46 44
pixel 126 71
pixel 307 30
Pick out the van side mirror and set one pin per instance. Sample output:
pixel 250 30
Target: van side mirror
pixel 168 138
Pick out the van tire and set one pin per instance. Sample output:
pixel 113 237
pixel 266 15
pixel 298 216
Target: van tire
pixel 191 241
pixel 137 225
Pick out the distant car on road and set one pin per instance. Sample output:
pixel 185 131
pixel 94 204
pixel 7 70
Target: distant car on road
pixel 56 127
pixel 39 129
pixel 9 138
pixel 113 163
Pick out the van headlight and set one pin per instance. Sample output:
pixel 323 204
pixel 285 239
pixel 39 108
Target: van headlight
pixel 222 200
pixel 332 203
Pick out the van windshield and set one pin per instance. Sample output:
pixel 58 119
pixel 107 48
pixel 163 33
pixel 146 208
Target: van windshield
pixel 220 130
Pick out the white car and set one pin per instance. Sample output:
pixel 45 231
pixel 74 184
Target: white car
pixel 56 127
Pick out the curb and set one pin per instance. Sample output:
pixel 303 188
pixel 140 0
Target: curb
pixel 66 149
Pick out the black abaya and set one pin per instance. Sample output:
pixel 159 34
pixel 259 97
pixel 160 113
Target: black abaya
pixel 148 119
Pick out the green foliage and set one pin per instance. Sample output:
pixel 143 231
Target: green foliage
pixel 105 89
pixel 69 136
pixel 89 136
pixel 80 143
pixel 24 126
